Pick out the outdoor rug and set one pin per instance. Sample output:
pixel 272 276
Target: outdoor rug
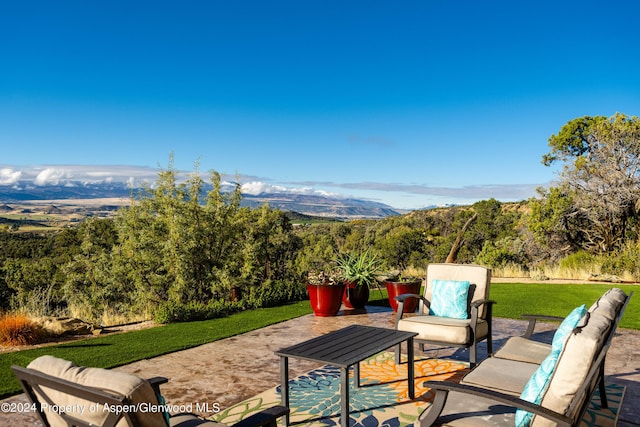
pixel 382 399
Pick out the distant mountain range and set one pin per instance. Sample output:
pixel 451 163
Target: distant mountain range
pixel 315 205
pixel 25 191
pixel 322 205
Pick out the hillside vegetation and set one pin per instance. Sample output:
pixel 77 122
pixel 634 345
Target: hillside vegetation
pixel 177 252
pixel 145 264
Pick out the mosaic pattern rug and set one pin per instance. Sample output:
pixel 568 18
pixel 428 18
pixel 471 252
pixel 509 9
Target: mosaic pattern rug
pixel 382 399
pixel 598 417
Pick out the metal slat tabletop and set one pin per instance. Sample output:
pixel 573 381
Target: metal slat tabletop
pixel 347 346
pixel 344 348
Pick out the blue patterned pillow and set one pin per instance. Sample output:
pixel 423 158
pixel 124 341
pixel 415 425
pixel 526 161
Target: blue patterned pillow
pixel 537 385
pixel 449 298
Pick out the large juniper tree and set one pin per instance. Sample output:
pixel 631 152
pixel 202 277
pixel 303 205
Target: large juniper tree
pixel 600 178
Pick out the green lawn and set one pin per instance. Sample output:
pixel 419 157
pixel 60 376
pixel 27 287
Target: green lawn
pixel 513 299
pixel 109 351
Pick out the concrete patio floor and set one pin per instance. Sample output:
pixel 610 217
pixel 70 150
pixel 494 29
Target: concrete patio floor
pixel 225 372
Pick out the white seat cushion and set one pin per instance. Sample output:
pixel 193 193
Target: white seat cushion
pixel 524 350
pixel 442 329
pixel 509 376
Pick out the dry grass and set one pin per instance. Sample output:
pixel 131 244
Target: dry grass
pixel 590 273
pixel 511 270
pixel 414 272
pixel 108 317
pixel 18 329
pixel 572 273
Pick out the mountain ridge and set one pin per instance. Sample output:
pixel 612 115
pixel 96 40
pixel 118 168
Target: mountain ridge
pixel 308 204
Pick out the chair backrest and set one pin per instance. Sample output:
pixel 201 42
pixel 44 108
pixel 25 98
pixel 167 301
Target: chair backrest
pixel 478 276
pixel 582 359
pixel 57 383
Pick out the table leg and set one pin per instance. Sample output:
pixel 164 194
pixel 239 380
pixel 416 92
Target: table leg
pixel 410 369
pixel 344 397
pixel 284 385
pixel 356 375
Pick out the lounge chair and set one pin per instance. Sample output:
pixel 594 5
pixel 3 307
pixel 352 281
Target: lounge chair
pixel 502 392
pixel 68 395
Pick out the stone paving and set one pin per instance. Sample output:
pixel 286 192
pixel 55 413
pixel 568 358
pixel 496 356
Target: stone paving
pixel 225 372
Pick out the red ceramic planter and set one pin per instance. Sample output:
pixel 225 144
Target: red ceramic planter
pixel 355 296
pixel 325 299
pixel 398 288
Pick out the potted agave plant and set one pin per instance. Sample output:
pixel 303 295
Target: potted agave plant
pixel 359 270
pixel 325 292
pixel 399 284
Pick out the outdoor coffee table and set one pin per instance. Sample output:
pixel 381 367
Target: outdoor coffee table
pixel 344 348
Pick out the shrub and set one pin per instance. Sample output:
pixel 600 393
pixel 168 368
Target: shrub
pixel 270 294
pixel 172 311
pixel 17 329
pixel 503 253
pixel 625 262
pixel 274 293
pixel 580 260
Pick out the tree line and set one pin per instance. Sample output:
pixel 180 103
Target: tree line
pixel 188 250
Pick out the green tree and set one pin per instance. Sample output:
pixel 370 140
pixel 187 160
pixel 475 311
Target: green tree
pixel 318 249
pixel 34 284
pixel 601 174
pixel 503 252
pixel 93 288
pixel 492 223
pixel 268 246
pixel 552 222
pixel 175 248
pixel 403 246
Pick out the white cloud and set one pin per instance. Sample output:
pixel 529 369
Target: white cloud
pixel 52 176
pixel 75 174
pixel 255 188
pixel 9 176
pixel 466 193
pixel 395 194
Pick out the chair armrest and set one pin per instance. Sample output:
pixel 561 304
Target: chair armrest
pixel 479 302
pixel 533 318
pixel 475 305
pixel 267 417
pixel 442 389
pixel 156 382
pixel 402 298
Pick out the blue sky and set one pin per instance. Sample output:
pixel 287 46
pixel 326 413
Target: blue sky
pixel 410 103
